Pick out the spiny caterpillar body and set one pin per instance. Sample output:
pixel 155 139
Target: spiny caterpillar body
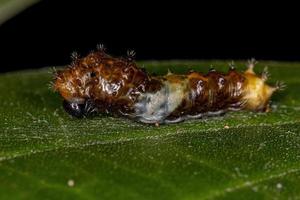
pixel 99 83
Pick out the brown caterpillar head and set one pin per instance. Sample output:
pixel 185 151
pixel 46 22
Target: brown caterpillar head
pixel 257 91
pixel 74 82
pixel 69 85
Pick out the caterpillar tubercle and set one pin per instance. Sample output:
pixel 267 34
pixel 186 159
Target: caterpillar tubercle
pixel 99 83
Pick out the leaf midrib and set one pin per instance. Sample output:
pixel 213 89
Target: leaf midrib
pixel 155 137
pixel 213 193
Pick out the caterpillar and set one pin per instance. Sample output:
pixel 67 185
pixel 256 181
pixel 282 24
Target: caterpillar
pixel 100 83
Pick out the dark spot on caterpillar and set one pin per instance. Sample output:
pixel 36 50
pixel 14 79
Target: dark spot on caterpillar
pixel 74 109
pixel 80 110
pixel 100 83
pixel 93 74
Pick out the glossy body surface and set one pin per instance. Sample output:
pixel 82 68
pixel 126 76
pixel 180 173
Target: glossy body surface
pixel 99 83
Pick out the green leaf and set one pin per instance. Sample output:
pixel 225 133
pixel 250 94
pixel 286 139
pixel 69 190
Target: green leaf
pixel 45 154
pixel 10 8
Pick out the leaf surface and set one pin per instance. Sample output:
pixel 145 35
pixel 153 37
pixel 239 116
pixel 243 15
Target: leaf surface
pixel 45 154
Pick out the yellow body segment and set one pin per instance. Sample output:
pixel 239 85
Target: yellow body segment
pixel 257 93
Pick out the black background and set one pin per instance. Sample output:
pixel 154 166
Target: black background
pixel 47 33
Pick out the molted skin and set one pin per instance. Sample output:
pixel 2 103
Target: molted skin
pixel 100 83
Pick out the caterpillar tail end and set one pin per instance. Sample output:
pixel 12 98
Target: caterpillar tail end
pixel 257 93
